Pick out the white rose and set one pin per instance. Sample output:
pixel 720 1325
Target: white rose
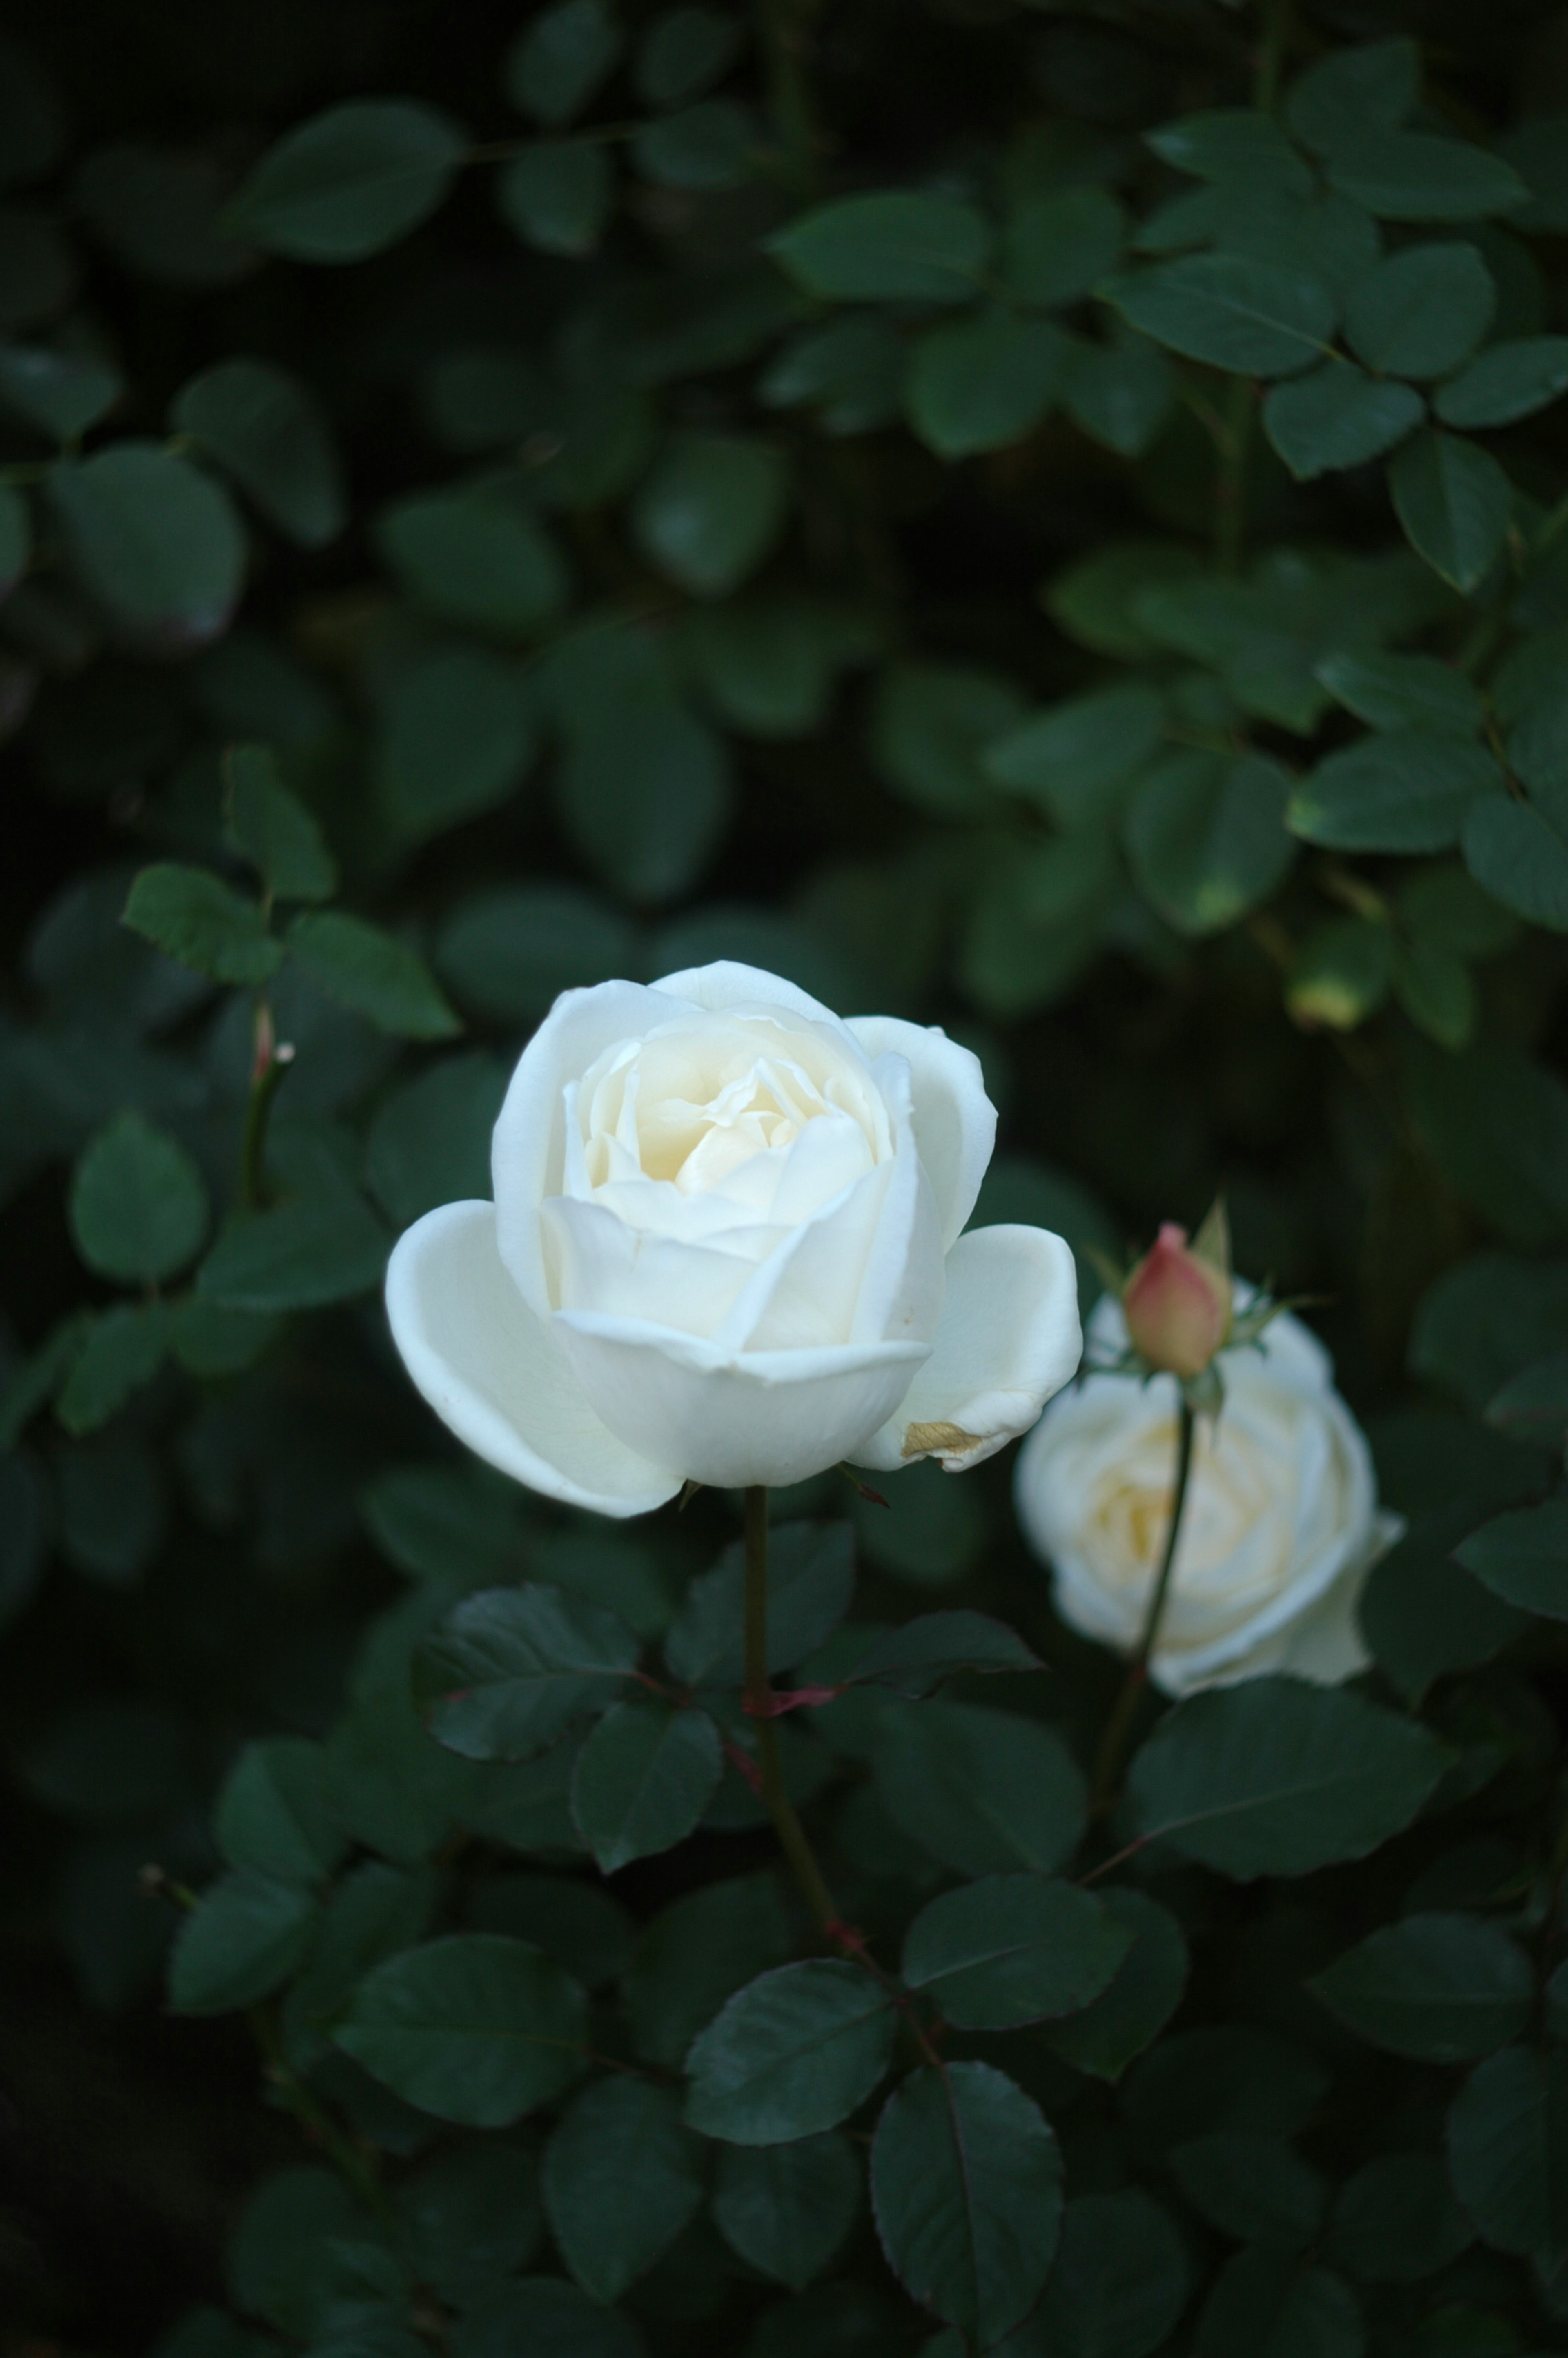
pixel 726 1247
pixel 1282 1524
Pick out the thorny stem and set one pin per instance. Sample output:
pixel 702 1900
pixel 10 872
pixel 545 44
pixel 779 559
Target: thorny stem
pixel 1119 1726
pixel 270 1062
pixel 780 1808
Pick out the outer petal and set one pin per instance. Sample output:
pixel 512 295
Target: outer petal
pixel 498 1376
pixel 954 1122
pixel 735 1418
pixel 527 1155
pixel 728 983
pixel 1009 1338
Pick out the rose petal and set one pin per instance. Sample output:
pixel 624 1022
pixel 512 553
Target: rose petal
pixel 728 983
pixel 735 1418
pixel 1008 1338
pixel 528 1152
pixel 954 1122
pixel 497 1375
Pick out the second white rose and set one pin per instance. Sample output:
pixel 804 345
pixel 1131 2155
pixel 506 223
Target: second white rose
pixel 1281 1528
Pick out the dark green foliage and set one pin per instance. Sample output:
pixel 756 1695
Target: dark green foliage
pixel 1043 520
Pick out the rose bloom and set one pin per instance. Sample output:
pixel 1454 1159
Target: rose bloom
pixel 1281 1523
pixel 728 1246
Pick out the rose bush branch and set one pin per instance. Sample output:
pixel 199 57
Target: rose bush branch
pixel 758 1707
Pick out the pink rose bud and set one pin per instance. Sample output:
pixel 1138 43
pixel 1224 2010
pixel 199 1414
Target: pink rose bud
pixel 1177 1306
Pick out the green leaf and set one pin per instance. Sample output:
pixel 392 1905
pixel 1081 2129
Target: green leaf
pixel 794 2051
pixel 470 2215
pixel 811 1578
pixel 138 1205
pixel 1421 312
pixel 474 2029
pixel 697 1952
pixel 1454 502
pixel 643 1780
pixel 896 247
pixel 710 511
pixel 1250 317
pixel 561 58
pixel 1533 1405
pixel 1118 2284
pixel 1205 835
pixel 1404 692
pixel 457 734
pixel 112 1509
pixel 373 973
pixel 430 1144
pixel 985 1791
pixel 1444 1988
pixel 62 393
pixel 850 370
pixel 264 428
pixel 376 1912
pixel 350 182
pixel 121 1350
pixel 622 2177
pixel 684 52
pixel 1411 176
pixel 511 1668
pixel 1056 249
pixel 966 2186
pixel 1423 1614
pixel 1337 417
pixel 1140 1998
pixel 1497 1122
pixel 1355 94
pixel 1263 2306
pixel 930 724
pixel 1518 852
pixel 1437 992
pixel 1508 2151
pixel 711 146
pixel 477 555
pixel 644 787
pixel 323 1245
pixel 245 1936
pixel 547 2315
pixel 1524 1558
pixel 924 1651
pixel 1275 1777
pixel 786 2209
pixel 1405 790
pixel 1229 144
pixel 1508 380
pixel 274 830
pixel 1254 2188
pixel 283 2261
pixel 1013 1949
pixel 558 195
pixel 507 951
pixel 1397 2222
pixel 1120 392
pixel 1072 757
pixel 153 539
pixel 187 913
pixel 982 381
pixel 579 1924
pixel 273 1812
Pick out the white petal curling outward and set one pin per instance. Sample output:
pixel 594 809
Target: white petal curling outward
pixel 954 1122
pixel 528 1153
pixel 498 1377
pixel 733 1417
pixel 1009 1338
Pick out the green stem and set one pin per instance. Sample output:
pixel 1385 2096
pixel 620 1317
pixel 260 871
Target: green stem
pixel 269 1064
pixel 1119 1726
pixel 759 1704
pixel 313 2116
pixel 786 28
